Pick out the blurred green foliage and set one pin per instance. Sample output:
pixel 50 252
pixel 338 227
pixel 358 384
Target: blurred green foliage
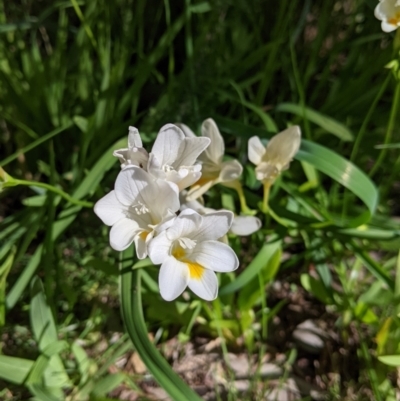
pixel 75 74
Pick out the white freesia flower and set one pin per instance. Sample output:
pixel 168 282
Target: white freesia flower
pixel 241 225
pixel 189 254
pixel 214 169
pixel 173 156
pixel 245 225
pixel 276 157
pixel 135 154
pixel 388 11
pixel 135 208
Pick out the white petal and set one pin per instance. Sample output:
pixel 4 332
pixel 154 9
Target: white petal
pixel 159 248
pixel 194 205
pixel 187 223
pixel 387 9
pixel 176 176
pixel 282 147
pixel 186 130
pixel 386 27
pixel 109 209
pixel 190 150
pixel 206 286
pixel 214 226
pixel 141 244
pixel 122 234
pixel 138 157
pixel 245 225
pixel 154 167
pixel 256 150
pixel 167 144
pixel 189 212
pixel 230 170
pixel 215 256
pixel 144 220
pixel 378 12
pixel 134 139
pixel 160 197
pixel 173 278
pixel 198 190
pixel 122 155
pixel 167 223
pixel 216 150
pixel 267 171
pixel 190 179
pixel 129 184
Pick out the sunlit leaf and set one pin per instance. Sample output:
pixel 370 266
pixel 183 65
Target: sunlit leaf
pixel 325 122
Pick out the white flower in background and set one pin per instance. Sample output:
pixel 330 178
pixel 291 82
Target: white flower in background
pixel 214 169
pixel 388 11
pixel 135 209
pixel 173 156
pixel 271 160
pixel 135 154
pixel 189 254
pixel 245 225
pixel 241 225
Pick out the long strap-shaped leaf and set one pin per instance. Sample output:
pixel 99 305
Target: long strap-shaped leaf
pixel 132 312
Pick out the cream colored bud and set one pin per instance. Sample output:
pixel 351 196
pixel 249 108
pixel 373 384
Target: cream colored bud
pixel 271 160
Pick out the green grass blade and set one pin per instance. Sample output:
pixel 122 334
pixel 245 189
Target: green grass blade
pixel 45 333
pixel 108 384
pixel 42 393
pixel 24 278
pixel 33 145
pixel 42 321
pixel 344 172
pixel 391 360
pixel 65 218
pixel 327 123
pixel 374 267
pixel 14 370
pixel 5 268
pixel 251 271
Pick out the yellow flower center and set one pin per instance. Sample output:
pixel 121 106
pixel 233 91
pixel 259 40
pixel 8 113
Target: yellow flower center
pixel 178 253
pixel 143 235
pixel 196 271
pixel 395 19
pixel 205 179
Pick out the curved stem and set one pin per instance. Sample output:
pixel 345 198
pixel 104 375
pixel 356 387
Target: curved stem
pixel 392 119
pixel 56 190
pixel 237 186
pixel 265 207
pixel 132 312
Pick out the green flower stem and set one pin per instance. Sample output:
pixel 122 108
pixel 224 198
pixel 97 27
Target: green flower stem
pixel 392 120
pixel 237 186
pixel 51 188
pixel 132 312
pixel 265 208
pixel 267 187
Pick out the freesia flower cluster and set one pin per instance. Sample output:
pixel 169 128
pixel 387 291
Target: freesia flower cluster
pixel 156 202
pixel 152 208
